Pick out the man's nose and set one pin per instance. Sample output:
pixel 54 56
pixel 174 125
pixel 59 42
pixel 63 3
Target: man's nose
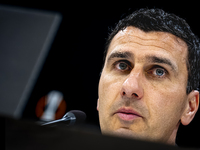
pixel 132 88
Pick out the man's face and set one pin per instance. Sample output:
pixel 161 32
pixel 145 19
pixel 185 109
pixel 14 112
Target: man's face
pixel 142 89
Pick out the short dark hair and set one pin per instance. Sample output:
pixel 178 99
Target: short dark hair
pixel 149 20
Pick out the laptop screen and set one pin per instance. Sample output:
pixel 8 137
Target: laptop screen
pixel 26 36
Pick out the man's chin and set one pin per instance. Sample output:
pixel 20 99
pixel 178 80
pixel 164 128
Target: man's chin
pixel 127 133
pixel 123 132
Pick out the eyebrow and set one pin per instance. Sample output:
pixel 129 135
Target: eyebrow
pixel 120 55
pixel 155 59
pixel 151 59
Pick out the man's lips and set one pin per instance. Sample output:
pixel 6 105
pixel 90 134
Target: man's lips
pixel 127 114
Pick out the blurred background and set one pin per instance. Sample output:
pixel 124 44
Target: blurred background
pixel 73 65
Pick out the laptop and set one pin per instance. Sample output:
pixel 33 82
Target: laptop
pixel 26 36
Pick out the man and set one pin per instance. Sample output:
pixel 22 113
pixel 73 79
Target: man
pixel 150 80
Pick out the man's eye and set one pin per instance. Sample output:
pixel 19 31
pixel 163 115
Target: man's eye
pixel 122 66
pixel 158 72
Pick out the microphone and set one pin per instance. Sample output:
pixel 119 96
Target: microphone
pixel 70 118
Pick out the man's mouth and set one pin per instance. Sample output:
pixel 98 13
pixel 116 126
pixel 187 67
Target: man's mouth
pixel 127 114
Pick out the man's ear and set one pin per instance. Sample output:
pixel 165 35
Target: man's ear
pixel 191 107
pixel 98 104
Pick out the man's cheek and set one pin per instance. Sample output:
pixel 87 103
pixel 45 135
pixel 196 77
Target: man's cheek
pixel 109 85
pixel 109 90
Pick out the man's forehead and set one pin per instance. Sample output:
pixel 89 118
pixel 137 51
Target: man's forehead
pixel 164 39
